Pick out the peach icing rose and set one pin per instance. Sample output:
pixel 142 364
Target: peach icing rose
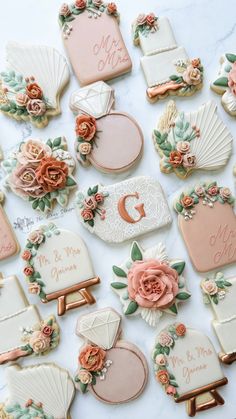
pixel 85 127
pixel 87 214
pixel 36 236
pixel 85 377
pixel 180 329
pixel 199 190
pixel 163 376
pixel 187 201
pixel 175 158
pixel 213 190
pixel 196 62
pixel 28 270
pixel 51 174
pixel 34 288
pixel 34 91
pixel 165 339
pixel 232 79
pixel 160 359
pixel 152 284
pixel 111 8
pixel 189 160
pixel 192 75
pixel 92 358
pixel 141 19
pixel 90 203
pixel 150 19
pixel 183 147
pixel 32 151
pixel 171 390
pixel 209 287
pixel 39 342
pixel 97 3
pixel 21 99
pixel 225 193
pixel 84 148
pixel 65 10
pixel 80 4
pixel 36 107
pixel 26 255
pixel 24 183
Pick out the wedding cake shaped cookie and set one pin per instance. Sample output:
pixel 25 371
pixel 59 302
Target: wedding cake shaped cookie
pixel 22 330
pixel 166 66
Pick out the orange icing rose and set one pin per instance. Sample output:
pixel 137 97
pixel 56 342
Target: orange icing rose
pixel 187 201
pixel 111 8
pixel 92 358
pixel 175 158
pixel 180 329
pixel 26 255
pixel 85 127
pixel 34 91
pixel 163 376
pixel 51 174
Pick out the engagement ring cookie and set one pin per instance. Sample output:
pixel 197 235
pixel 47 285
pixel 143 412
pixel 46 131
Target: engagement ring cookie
pixel 190 141
pixel 220 292
pixel 41 173
pixel 42 391
pixel 30 89
pixel 21 327
pixel 113 370
pixel 110 140
pixel 58 267
pixel 167 67
pixel 125 210
pixel 187 367
pixel 93 40
pixel 8 243
pixel 149 283
pixel 208 225
pixel 225 84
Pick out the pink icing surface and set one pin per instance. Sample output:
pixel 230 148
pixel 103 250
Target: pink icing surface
pixel 8 244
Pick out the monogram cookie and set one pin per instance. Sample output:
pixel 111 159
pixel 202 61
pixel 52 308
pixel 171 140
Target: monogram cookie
pixel 93 40
pixel 8 243
pixel 225 84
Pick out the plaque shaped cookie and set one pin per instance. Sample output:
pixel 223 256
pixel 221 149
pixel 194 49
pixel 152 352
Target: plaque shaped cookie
pixel 208 225
pixel 42 391
pixel 149 283
pixel 220 293
pixel 8 242
pixel 113 370
pixel 31 87
pixel 124 210
pixel 41 173
pixel 58 267
pixel 93 40
pixel 225 84
pixel 190 141
pixel 187 367
pixel 21 327
pixel 167 67
pixel 110 140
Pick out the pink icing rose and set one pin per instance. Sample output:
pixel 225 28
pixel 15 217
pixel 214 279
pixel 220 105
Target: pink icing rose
pixel 36 236
pixel 99 197
pixel 85 377
pixel 209 287
pixel 165 339
pixel 39 342
pixel 232 79
pixel 213 190
pixel 90 203
pixel 97 3
pixel 84 148
pixel 160 359
pixel 189 160
pixel 26 255
pixel 34 288
pixel 65 10
pixel 171 390
pixel 80 4
pixel 150 19
pixel 22 99
pixel 225 193
pixel 152 284
pixel 28 270
pixel 192 76
pixel 87 214
pixel 33 151
pixel 141 19
pixel 23 182
pixel 183 147
pixel 199 190
pixel 36 107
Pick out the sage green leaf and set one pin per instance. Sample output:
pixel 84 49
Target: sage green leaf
pixel 178 266
pixel 174 309
pixel 41 205
pixel 119 272
pixel 49 143
pixel 118 285
pixel 57 142
pixel 35 204
pixel 182 296
pixel 174 77
pixel 70 181
pixel 227 284
pixel 136 253
pixel 83 387
pixel 178 207
pixel 90 222
pixel 132 307
pixel 93 380
pixel 166 350
pixel 90 192
pixel 231 57
pixel 221 81
pixel 95 189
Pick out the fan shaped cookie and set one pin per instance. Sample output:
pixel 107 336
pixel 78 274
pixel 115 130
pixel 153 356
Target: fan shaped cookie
pixel 118 372
pixel 31 87
pixel 190 141
pixel 225 84
pixel 110 140
pixel 8 243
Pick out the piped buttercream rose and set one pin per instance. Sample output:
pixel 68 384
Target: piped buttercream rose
pixel 209 287
pixel 111 8
pixel 51 174
pixel 92 358
pixel 232 79
pixel 85 127
pixel 192 75
pixel 24 183
pixel 22 99
pixel 33 151
pixel 34 91
pixel 36 107
pixel 39 342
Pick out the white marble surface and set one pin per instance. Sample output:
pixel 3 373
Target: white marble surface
pixel 207 29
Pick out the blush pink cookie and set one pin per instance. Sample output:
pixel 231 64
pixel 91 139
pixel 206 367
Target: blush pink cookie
pixel 8 242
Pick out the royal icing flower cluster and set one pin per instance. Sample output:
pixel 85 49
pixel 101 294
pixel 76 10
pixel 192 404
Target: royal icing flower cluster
pixel 215 289
pixel 144 24
pixel 41 338
pixel 190 74
pixel 86 132
pixel 30 410
pixel 229 77
pixel 92 205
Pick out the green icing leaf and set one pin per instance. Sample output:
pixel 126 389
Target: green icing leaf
pixel 35 204
pixel 174 309
pixel 118 285
pixel 95 189
pixel 179 207
pixel 221 81
pixel 57 142
pixel 182 296
pixel 132 307
pixel 178 266
pixel 83 387
pixel 91 223
pixel 70 181
pixel 41 205
pixel 231 57
pixel 119 272
pixel 136 253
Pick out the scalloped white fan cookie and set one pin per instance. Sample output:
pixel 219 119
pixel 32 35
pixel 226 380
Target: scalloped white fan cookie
pixel 190 141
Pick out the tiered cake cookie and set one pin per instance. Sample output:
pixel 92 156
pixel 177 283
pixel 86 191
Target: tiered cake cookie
pixel 225 84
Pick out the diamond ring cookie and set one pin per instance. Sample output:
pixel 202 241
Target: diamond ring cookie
pixel 167 67
pixel 208 225
pixel 124 210
pixel 149 283
pixel 93 40
pixel 21 327
pixel 118 372
pixel 225 84
pixel 31 87
pixel 8 243
pixel 110 140
pixel 187 367
pixel 58 267
pixel 42 391
pixel 190 141
pixel 41 173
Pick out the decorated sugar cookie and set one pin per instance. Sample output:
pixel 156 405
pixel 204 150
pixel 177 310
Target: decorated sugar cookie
pixel 42 391
pixel 225 84
pixel 22 330
pixel 167 67
pixel 220 293
pixel 58 267
pixel 208 225
pixel 113 370
pixel 8 243
pixel 190 141
pixel 110 140
pixel 41 173
pixel 31 87
pixel 149 283
pixel 186 366
pixel 124 210
pixel 93 40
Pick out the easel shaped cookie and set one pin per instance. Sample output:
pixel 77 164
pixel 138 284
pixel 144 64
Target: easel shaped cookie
pixel 124 210
pixel 58 267
pixel 150 284
pixel 21 327
pixel 193 140
pixel 118 372
pixel 208 225
pixel 167 67
pixel 109 140
pixel 93 40
pixel 225 84
pixel 187 367
pixel 8 243
pixel 43 391
pixel 220 293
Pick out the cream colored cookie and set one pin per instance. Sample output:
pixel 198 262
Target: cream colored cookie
pixel 225 84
